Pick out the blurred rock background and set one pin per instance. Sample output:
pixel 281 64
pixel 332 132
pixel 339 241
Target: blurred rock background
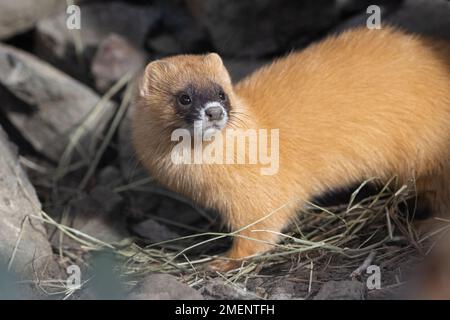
pixel 62 95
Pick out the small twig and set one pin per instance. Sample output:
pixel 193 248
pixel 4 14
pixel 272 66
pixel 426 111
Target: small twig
pixel 367 262
pixel 311 267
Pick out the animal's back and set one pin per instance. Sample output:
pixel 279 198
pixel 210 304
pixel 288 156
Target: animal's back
pixel 357 104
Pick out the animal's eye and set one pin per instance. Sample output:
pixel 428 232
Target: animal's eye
pixel 184 99
pixel 222 96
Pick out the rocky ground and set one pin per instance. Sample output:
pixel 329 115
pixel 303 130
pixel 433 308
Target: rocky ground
pixel 72 192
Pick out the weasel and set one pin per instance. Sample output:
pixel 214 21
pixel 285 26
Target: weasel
pixel 365 103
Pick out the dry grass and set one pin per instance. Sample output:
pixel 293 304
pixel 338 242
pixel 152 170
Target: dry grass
pixel 354 231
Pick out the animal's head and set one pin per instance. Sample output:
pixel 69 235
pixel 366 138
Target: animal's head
pixel 186 91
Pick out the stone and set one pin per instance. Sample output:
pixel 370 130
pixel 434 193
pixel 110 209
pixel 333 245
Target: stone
pixel 415 16
pixel 164 44
pixel 20 16
pixel 285 290
pixel 178 33
pixel 249 28
pixel 218 289
pixel 240 68
pixel 352 7
pixel 163 287
pixel 424 17
pixel 114 58
pixel 110 177
pixel 153 231
pixel 130 166
pixel 46 105
pixel 342 290
pixel 23 237
pixel 56 43
pixel 98 214
pixel 108 200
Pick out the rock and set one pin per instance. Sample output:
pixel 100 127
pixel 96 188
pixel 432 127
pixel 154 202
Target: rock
pixel 105 282
pixel 101 279
pixel 249 28
pixel 20 16
pixel 360 19
pixel 56 43
pixel 110 177
pixel 153 231
pixel 163 287
pixel 113 59
pixel 108 200
pixel 8 287
pixel 239 69
pixel 23 238
pixel 281 296
pixel 218 289
pixel 387 294
pixel 424 17
pixel 285 290
pixel 47 105
pixel 170 208
pixel 257 285
pixel 178 33
pixel 349 7
pixel 416 16
pixel 342 290
pixel 130 165
pixel 164 44
pixel 431 278
pixel 98 214
pixel 142 203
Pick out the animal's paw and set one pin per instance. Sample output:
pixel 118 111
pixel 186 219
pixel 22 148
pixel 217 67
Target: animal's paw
pixel 223 265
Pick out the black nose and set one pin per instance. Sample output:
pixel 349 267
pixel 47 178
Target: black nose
pixel 214 113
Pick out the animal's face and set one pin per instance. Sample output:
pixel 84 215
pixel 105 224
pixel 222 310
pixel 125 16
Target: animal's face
pixel 188 91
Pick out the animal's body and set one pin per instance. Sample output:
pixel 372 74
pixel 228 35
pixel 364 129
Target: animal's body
pixel 366 103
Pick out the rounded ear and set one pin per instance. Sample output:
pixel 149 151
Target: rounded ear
pixel 143 85
pixel 214 58
pixel 154 71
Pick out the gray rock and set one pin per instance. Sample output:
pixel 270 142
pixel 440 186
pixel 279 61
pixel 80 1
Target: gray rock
pixel 428 17
pixel 342 290
pixel 108 200
pixel 239 69
pixel 23 238
pixel 102 229
pixel 281 296
pixel 249 28
pixel 285 290
pixel 349 7
pixel 114 58
pixel 47 105
pixel 110 177
pixel 360 19
pixel 154 231
pixel 98 214
pixel 130 166
pixel 165 44
pixel 56 43
pixel 163 287
pixel 218 289
pixel 179 32
pixel 20 16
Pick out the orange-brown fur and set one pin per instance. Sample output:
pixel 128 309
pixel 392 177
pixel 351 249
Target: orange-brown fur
pixel 366 103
